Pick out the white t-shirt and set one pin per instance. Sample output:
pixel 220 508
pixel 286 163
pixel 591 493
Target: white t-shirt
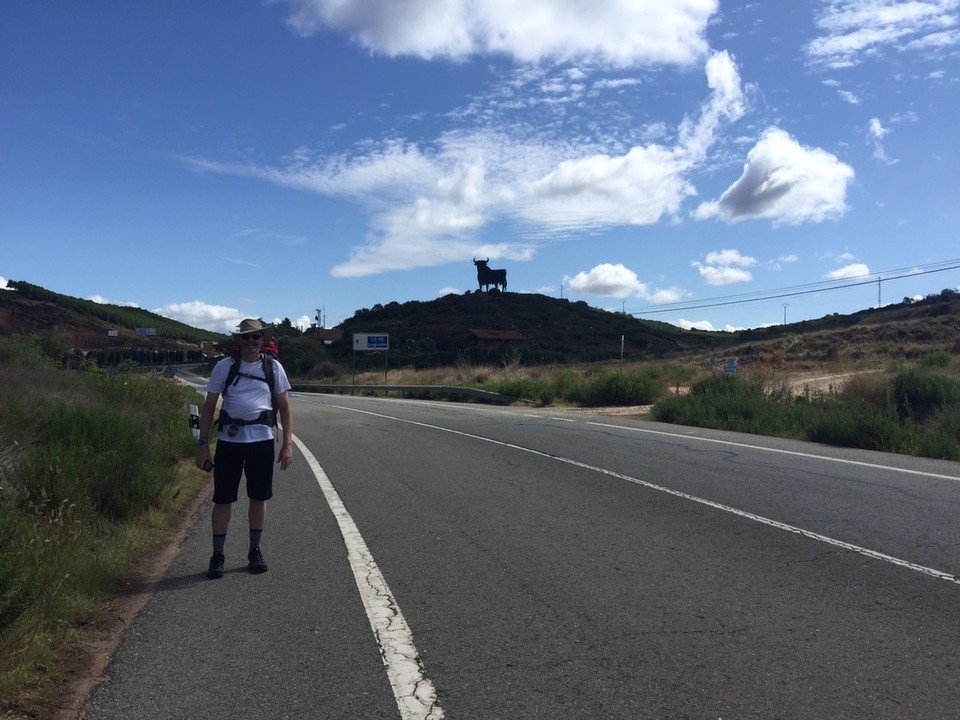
pixel 247 398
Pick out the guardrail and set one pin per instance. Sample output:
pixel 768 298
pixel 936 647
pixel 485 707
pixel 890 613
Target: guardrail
pixel 484 395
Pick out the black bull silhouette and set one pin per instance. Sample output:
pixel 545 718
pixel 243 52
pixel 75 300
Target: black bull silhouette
pixel 487 277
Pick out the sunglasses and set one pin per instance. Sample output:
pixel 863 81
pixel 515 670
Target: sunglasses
pixel 251 338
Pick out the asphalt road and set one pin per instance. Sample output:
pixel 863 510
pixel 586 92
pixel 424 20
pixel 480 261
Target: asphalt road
pixel 436 560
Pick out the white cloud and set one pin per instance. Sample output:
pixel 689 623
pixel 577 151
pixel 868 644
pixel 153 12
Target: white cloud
pixel 216 318
pixel 703 325
pixel 609 280
pixel 3 283
pixel 786 182
pixel 100 300
pixel 449 291
pixel 848 272
pixel 876 133
pixel 638 188
pixel 729 257
pixel 615 84
pixel 725 267
pixel 617 32
pixel 723 275
pixel 854 30
pixel 647 182
pixel 426 202
pixel 783 260
pixel 304 322
pixel 665 296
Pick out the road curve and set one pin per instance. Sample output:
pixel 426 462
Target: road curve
pixel 462 561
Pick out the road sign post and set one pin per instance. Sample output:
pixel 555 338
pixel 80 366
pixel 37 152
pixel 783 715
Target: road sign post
pixel 370 341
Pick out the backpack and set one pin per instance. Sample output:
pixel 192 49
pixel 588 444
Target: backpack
pixel 268 355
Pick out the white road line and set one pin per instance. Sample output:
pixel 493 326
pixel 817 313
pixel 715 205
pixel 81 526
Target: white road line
pixel 932 572
pixel 415 694
pixel 796 453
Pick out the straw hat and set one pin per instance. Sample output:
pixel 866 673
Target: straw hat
pixel 250 325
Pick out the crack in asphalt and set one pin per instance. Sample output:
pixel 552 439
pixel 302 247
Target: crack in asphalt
pixel 415 694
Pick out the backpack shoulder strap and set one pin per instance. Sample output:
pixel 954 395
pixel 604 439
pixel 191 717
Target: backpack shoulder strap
pixel 233 375
pixel 268 372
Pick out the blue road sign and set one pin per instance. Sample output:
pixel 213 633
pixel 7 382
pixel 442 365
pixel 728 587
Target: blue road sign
pixel 371 341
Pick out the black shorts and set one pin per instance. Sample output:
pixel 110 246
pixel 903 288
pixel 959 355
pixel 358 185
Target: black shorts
pixel 255 460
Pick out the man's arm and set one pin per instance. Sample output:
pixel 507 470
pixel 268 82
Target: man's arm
pixel 286 422
pixel 206 424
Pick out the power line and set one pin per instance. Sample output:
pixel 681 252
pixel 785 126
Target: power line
pixel 804 289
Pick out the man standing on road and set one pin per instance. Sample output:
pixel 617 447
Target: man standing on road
pixel 245 438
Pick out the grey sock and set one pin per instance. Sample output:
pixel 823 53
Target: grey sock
pixel 218 542
pixel 255 536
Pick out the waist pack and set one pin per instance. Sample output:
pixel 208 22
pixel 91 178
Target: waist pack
pixel 233 425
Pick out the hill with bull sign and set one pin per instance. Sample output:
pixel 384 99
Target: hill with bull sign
pixel 492 326
pixel 441 332
pixel 543 330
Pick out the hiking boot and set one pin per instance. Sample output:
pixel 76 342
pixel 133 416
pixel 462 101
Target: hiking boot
pixel 257 563
pixel 216 566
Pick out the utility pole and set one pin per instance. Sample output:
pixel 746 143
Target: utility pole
pixel 785 306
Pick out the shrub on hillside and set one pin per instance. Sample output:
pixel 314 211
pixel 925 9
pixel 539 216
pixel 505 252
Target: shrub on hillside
pixel 639 387
pixel 920 394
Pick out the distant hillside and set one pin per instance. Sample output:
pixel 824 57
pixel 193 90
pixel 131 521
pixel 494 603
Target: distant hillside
pixel 33 310
pixel 902 331
pixel 457 327
pixel 561 330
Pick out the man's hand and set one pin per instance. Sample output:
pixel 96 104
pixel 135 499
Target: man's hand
pixel 202 457
pixel 286 456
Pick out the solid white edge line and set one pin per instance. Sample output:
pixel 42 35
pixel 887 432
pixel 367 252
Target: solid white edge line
pixel 932 572
pixel 795 453
pixel 415 694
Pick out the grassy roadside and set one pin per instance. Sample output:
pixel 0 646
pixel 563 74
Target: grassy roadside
pixel 911 407
pixel 94 469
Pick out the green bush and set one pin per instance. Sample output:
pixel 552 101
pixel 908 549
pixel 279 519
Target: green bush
pixel 96 460
pixel 299 355
pixel 621 389
pixel 938 359
pixel 917 412
pixel 593 388
pixel 920 394
pixel 729 402
pixel 540 391
pixel 844 425
pixel 17 350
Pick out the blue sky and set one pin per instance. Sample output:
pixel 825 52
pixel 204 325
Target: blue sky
pixel 217 160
